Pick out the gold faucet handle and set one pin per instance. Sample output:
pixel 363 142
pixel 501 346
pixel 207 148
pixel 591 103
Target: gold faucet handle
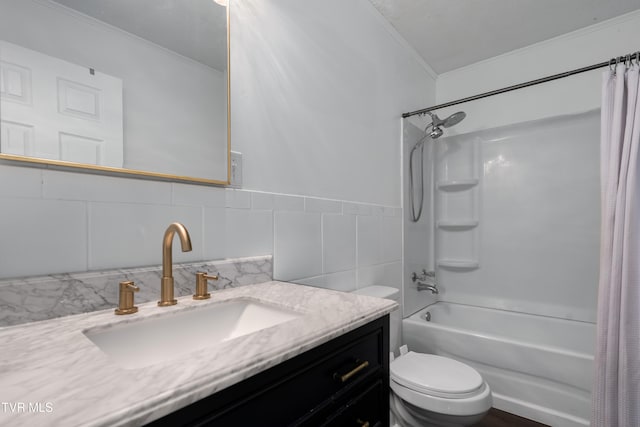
pixel 201 285
pixel 125 306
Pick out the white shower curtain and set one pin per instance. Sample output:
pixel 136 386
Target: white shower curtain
pixel 616 392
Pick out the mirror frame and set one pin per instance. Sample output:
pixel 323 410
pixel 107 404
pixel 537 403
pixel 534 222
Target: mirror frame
pixel 107 170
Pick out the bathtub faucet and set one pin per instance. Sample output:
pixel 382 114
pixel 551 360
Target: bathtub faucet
pixel 428 287
pixel 425 275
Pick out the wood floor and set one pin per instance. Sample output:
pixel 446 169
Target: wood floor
pixel 497 418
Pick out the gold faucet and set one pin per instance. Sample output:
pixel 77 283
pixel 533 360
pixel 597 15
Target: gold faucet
pixel 166 285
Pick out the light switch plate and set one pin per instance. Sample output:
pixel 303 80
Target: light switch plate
pixel 236 170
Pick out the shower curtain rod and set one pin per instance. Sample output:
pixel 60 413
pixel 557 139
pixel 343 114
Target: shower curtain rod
pixel 610 62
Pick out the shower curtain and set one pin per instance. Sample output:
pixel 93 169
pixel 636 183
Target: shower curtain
pixel 616 392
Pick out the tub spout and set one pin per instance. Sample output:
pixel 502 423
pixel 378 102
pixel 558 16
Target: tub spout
pixel 428 287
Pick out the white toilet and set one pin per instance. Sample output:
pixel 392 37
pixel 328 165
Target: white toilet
pixel 430 390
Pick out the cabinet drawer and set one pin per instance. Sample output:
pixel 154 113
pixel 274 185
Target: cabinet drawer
pixel 347 366
pixel 368 409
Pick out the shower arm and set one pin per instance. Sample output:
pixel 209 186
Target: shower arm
pixel 434 118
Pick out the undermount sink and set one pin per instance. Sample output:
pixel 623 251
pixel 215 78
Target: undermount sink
pixel 166 337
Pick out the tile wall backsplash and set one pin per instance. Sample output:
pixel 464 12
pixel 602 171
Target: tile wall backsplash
pixel 339 238
pixel 339 245
pixel 58 222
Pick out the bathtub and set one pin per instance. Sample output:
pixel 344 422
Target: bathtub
pixel 537 367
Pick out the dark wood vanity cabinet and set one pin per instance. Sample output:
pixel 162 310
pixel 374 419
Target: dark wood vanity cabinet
pixel 343 382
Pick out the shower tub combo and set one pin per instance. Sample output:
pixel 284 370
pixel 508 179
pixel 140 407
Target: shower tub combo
pixel 537 367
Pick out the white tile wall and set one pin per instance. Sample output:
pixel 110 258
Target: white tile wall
pixel 66 186
pixel 42 237
pixel 214 233
pixel 248 233
pixel 20 182
pixel 118 230
pixel 369 240
pixel 318 281
pixel 391 231
pixel 344 281
pixel 238 199
pixel 377 210
pixel 198 195
pixel 262 201
pixel 312 204
pixel 339 242
pixel 356 208
pixel 389 274
pixel 110 222
pixel 361 247
pixel 283 202
pixel 387 211
pixel 297 243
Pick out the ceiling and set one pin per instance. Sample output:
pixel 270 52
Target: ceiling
pixel 447 34
pixel 450 34
pixel 196 29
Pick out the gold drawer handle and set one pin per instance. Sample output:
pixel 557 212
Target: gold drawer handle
pixel 362 423
pixel 345 377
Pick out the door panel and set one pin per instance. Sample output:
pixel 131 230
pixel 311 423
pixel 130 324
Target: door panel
pixel 57 110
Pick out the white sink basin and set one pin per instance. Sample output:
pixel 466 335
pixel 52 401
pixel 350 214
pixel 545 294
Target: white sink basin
pixel 167 337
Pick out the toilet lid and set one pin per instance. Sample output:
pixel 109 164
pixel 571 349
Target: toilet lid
pixel 435 375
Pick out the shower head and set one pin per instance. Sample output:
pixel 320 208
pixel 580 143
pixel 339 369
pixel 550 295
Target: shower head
pixel 437 122
pixel 454 119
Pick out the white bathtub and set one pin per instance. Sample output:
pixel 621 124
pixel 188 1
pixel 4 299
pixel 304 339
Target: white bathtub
pixel 537 367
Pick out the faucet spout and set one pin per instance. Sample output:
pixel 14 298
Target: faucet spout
pixel 431 287
pixel 166 285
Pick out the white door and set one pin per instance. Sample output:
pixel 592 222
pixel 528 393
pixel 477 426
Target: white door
pixel 53 109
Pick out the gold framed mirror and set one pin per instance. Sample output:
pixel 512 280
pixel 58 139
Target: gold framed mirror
pixel 133 87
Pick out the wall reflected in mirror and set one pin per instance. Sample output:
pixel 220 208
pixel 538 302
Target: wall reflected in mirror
pixel 134 84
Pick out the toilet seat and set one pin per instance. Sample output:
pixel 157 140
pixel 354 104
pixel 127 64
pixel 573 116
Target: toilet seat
pixel 439 384
pixel 436 375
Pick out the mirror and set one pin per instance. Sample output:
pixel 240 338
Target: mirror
pixel 133 86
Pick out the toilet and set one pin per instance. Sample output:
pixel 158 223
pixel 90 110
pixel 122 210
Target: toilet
pixel 430 390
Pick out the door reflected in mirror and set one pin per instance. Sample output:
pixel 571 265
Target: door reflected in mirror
pixel 137 86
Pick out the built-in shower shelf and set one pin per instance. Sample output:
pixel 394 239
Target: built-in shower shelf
pixel 459 264
pixel 458 225
pixel 457 185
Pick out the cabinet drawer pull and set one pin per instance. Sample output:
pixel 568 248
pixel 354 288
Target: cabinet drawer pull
pixel 344 378
pixel 362 423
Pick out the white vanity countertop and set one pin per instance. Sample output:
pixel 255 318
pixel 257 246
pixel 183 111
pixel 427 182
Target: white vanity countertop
pixel 51 374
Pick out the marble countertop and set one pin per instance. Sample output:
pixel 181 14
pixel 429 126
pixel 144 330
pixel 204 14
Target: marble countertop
pixel 51 374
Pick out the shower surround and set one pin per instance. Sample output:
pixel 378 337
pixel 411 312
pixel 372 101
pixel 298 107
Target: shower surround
pixel 516 228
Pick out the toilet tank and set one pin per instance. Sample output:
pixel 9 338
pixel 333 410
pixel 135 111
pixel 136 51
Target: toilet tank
pixel 395 321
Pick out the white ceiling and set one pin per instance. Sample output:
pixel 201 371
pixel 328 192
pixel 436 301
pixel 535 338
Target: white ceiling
pixel 450 34
pixel 196 29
